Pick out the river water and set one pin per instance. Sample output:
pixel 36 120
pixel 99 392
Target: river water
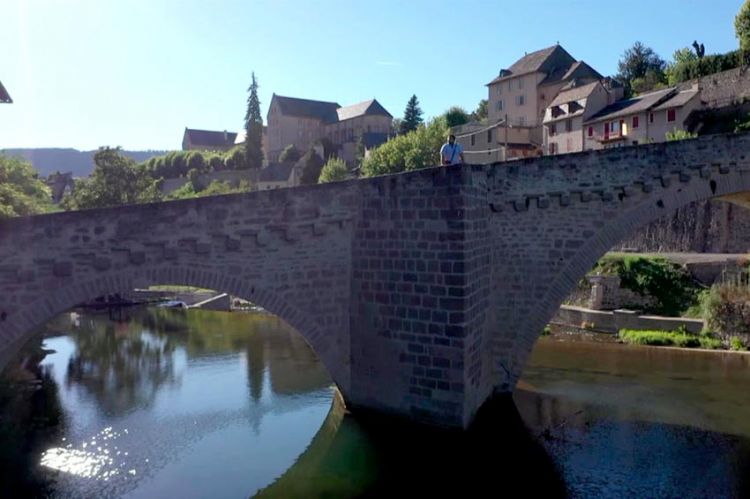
pixel 196 404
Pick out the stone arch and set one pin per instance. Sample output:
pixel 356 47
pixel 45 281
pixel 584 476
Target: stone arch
pixel 17 329
pixel 636 212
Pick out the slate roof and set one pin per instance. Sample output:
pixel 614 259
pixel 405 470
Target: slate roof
pixel 638 104
pixel 210 137
pixel 547 60
pixel 574 93
pixel 276 172
pixel 4 95
pixel 368 107
pixel 306 108
pixel 678 100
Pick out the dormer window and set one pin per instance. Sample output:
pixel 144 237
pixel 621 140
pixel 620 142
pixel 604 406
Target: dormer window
pixel 574 106
pixel 557 111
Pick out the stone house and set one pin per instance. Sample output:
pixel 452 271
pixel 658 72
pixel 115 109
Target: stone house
pixel 207 140
pixel 303 122
pixel 575 104
pixel 60 184
pixel 642 119
pixel 517 100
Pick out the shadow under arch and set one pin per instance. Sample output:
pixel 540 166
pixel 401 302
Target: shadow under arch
pixel 732 186
pixel 54 302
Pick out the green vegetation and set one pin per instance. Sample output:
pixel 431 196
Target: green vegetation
pixel 742 26
pixel 412 116
pixel 679 338
pixel 181 163
pixel 116 181
pixel 289 154
pixel 312 166
pixel 676 134
pixel 334 170
pixel 668 283
pixel 253 128
pixel 547 330
pixel 21 191
pixel 736 344
pixel 641 69
pixel 215 188
pixel 686 67
pixel 412 151
pixel 456 116
pixel 726 309
pixel 480 113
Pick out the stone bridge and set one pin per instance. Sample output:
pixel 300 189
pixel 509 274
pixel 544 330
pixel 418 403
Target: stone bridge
pixel 422 293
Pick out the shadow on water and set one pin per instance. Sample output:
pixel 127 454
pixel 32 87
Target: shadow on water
pixel 380 456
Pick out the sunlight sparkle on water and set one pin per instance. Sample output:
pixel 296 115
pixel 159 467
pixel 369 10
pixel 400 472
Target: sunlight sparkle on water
pixel 99 465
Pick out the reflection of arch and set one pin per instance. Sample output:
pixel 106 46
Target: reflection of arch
pixel 53 302
pixel 632 212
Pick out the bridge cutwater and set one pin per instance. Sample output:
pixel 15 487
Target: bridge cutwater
pixel 422 293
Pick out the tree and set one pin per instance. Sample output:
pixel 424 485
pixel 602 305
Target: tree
pixel 334 170
pixel 643 64
pixel 253 128
pixel 412 116
pixel 311 167
pixel 681 60
pixel 116 180
pixel 359 153
pixel 412 151
pixel 22 193
pixel 480 113
pixel 456 116
pixel 289 154
pixel 742 26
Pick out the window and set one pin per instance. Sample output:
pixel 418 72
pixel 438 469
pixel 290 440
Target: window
pixel 509 82
pixel 500 89
pixel 591 131
pixel 520 100
pixel 473 137
pixel 489 136
pixel 635 121
pixel 651 117
pixel 552 130
pixel 568 125
pixel 671 114
pixel 520 83
pixel 521 121
pixel 552 148
pixel 500 105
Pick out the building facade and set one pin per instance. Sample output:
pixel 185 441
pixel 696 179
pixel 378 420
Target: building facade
pixel 207 140
pixel 303 122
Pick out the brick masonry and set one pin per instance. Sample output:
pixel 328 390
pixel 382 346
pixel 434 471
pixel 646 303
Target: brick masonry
pixel 422 293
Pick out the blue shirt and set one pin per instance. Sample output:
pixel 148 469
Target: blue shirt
pixel 448 150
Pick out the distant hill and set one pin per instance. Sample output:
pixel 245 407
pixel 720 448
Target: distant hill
pixel 81 163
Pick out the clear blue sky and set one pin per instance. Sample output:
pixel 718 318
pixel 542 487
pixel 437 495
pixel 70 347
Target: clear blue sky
pixel 136 73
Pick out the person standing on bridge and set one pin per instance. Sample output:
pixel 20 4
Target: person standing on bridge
pixel 452 153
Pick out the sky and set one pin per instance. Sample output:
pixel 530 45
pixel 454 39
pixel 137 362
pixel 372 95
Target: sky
pixel 135 73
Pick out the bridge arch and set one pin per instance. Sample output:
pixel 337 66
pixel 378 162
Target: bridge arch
pixel 19 328
pixel 604 221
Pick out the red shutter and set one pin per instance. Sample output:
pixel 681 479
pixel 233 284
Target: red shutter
pixel 671 115
pixel 635 121
pixel 591 131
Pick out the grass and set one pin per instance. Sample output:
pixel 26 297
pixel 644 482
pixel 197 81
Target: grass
pixel 678 338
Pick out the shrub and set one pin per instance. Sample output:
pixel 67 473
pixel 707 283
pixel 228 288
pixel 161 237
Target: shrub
pixel 727 311
pixel 289 154
pixel 736 344
pixel 334 170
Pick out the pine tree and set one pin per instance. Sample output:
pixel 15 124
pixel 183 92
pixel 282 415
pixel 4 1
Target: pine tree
pixel 412 116
pixel 253 128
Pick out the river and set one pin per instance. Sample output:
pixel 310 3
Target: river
pixel 196 404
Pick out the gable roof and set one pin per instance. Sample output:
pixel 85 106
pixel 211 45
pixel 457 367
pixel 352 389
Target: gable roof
pixel 210 137
pixel 638 104
pixel 546 60
pixel 574 93
pixel 306 108
pixel 4 95
pixel 369 107
pixel 276 172
pixel 678 100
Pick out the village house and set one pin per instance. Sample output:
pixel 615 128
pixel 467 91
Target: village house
pixel 575 104
pixel 59 185
pixel 517 100
pixel 304 122
pixel 642 119
pixel 207 140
